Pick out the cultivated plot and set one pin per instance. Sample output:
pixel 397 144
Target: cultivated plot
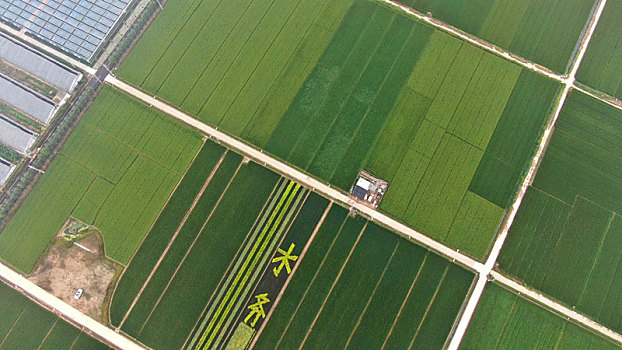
pixel 602 63
pixel 211 256
pixel 115 172
pixel 222 249
pixel 25 325
pixel 567 234
pixel 504 320
pixel 542 31
pixel 361 286
pixel 362 82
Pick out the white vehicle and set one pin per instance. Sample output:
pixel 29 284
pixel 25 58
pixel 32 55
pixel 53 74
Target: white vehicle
pixel 78 294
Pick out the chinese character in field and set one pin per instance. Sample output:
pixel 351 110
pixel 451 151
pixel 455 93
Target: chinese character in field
pixel 284 260
pixel 257 309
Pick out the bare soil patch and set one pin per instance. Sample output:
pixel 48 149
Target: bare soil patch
pixel 66 267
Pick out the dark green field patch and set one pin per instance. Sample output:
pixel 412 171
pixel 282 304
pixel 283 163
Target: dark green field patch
pixel 26 325
pixel 187 235
pixel 563 237
pixel 387 291
pixel 181 305
pixel 602 63
pixel 504 320
pixel 163 229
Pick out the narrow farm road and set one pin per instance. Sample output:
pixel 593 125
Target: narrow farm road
pixel 483 270
pixel 58 306
pixel 280 167
pixel 46 48
pixel 478 290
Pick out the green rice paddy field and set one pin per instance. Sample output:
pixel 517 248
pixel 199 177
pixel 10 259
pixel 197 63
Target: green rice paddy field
pixel 363 287
pixel 209 267
pixel 334 87
pixel 25 325
pixel 543 31
pixel 602 63
pixel 504 320
pixel 567 235
pixel 116 171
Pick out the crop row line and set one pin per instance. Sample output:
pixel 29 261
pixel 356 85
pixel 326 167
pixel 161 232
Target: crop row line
pixel 332 193
pixel 487 269
pixel 264 233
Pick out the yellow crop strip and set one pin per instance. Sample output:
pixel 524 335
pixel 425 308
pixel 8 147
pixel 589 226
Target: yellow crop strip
pixel 240 273
pixel 255 259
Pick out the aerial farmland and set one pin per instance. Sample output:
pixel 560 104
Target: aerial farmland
pixel 318 174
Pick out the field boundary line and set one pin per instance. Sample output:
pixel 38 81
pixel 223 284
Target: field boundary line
pixel 299 176
pixel 12 326
pixel 355 84
pixel 283 70
pixel 170 43
pixel 399 313
pixel 250 262
pixel 48 333
pixel 430 304
pixel 488 269
pixel 263 56
pixel 490 47
pixel 331 85
pixel 380 88
pixel 371 297
pixel 610 100
pixel 196 238
pixel 237 56
pixel 249 242
pixel 264 261
pixel 173 238
pixel 289 278
pixel 310 284
pixel 232 263
pixel 266 269
pixel 538 297
pixel 474 40
pixel 49 302
pixel 335 282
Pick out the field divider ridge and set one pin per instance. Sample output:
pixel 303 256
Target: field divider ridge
pixel 263 264
pixel 231 266
pixel 255 256
pixel 172 240
pixel 57 306
pixel 230 272
pixel 191 246
pixel 249 258
pixel 330 291
pixel 297 175
pixel 488 268
pixel 291 275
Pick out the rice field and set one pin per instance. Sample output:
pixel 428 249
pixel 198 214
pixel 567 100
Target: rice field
pixel 603 60
pixel 115 172
pixel 361 286
pixel 566 236
pixel 360 81
pixel 25 325
pixel 193 283
pixel 504 320
pixel 543 31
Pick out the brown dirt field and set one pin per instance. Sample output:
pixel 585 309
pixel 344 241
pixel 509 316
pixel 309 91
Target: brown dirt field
pixel 65 268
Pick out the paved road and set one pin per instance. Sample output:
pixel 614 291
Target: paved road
pixel 45 298
pixel 295 174
pixel 476 294
pixel 46 48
